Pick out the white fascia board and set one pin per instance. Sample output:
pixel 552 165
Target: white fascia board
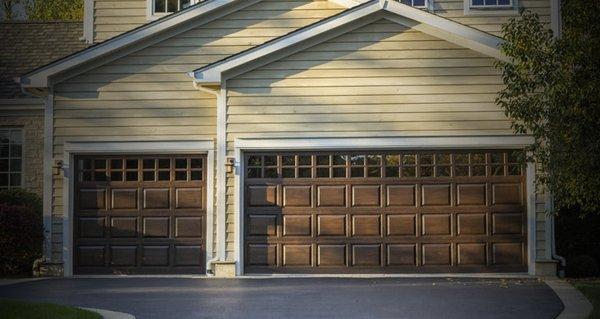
pixel 212 73
pixel 480 41
pixel 415 18
pixel 366 143
pixel 39 78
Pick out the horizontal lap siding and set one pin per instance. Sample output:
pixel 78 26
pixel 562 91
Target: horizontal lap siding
pixel 113 17
pixel 382 79
pixel 492 23
pixel 148 95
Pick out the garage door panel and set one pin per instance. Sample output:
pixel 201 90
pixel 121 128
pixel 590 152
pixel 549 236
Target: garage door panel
pixel 121 227
pixel 92 199
pixel 366 195
pixel 189 197
pixel 262 225
pixel 331 225
pixel 471 224
pixel 435 195
pixel 124 198
pixel 297 225
pixel 157 198
pixel 152 220
pixel 331 255
pixel 471 194
pixel 155 256
pixel 331 196
pixel 438 211
pixel 366 255
pixel 401 195
pixel 92 227
pixel 402 225
pixel 156 227
pixel 297 196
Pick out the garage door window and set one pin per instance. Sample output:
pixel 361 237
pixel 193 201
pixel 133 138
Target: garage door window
pixel 391 165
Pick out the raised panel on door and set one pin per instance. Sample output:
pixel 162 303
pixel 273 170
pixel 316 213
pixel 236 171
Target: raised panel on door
pixel 437 211
pixel 139 214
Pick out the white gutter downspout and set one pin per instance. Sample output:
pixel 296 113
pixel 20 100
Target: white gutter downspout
pixel 550 223
pixel 221 173
pixel 556 24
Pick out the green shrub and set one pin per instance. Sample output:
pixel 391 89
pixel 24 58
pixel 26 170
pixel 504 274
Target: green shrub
pixel 582 266
pixel 21 197
pixel 21 232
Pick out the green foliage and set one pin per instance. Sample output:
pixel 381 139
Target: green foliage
pixel 7 6
pixel 48 10
pixel 13 309
pixel 21 197
pixel 21 239
pixel 553 93
pixel 591 289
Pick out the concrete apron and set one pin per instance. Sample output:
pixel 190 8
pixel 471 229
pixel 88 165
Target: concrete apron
pixel 575 303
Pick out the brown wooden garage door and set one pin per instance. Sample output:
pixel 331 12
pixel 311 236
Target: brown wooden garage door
pixel 447 211
pixel 137 214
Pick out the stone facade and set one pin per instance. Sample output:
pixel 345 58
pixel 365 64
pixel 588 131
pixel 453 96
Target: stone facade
pixel 33 145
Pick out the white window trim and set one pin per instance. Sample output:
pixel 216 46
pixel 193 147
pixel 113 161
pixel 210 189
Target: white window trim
pixel 428 5
pixel 502 10
pixel 242 145
pixel 151 15
pixel 171 147
pixel 23 162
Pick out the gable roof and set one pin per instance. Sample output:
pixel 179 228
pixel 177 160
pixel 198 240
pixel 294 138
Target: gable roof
pixel 417 19
pixel 209 9
pixel 29 45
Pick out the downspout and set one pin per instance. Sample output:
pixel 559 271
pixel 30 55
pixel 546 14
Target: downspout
pixel 550 222
pixel 220 176
pixel 556 24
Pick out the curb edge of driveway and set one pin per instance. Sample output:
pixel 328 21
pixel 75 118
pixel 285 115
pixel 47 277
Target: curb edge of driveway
pixel 575 303
pixel 107 314
pixel 8 282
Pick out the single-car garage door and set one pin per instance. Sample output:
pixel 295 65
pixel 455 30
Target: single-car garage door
pixel 437 211
pixel 139 214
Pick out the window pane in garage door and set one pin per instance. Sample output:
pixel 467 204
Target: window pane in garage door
pixel 139 214
pixel 402 212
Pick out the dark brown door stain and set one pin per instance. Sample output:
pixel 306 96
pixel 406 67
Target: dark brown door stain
pixel 378 212
pixel 140 214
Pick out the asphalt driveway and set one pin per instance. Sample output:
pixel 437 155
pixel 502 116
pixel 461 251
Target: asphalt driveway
pixel 304 298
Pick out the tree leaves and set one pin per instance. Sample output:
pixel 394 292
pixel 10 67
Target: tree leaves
pixel 49 10
pixel 553 93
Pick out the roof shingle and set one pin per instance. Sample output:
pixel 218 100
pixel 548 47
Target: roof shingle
pixel 25 46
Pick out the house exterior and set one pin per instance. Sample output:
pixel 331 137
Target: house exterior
pixel 235 137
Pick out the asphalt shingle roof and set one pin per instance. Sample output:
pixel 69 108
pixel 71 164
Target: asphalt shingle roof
pixel 25 46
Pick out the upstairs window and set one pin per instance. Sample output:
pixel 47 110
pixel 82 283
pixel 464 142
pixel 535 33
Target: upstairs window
pixel 162 7
pixel 415 3
pixel 11 154
pixel 482 4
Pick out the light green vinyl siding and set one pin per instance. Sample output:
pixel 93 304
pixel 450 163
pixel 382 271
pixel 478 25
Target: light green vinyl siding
pixel 113 17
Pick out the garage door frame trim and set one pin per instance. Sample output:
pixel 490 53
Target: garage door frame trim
pixel 242 145
pixel 170 147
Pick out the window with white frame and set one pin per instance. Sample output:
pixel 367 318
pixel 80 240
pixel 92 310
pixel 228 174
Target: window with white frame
pixel 160 7
pixel 491 4
pixel 415 3
pixel 11 154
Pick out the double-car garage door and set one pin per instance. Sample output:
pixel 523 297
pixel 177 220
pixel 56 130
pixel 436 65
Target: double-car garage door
pixel 139 214
pixel 402 212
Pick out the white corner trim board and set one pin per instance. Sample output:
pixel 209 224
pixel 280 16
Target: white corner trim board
pixel 242 145
pixel 171 147
pixel 429 23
